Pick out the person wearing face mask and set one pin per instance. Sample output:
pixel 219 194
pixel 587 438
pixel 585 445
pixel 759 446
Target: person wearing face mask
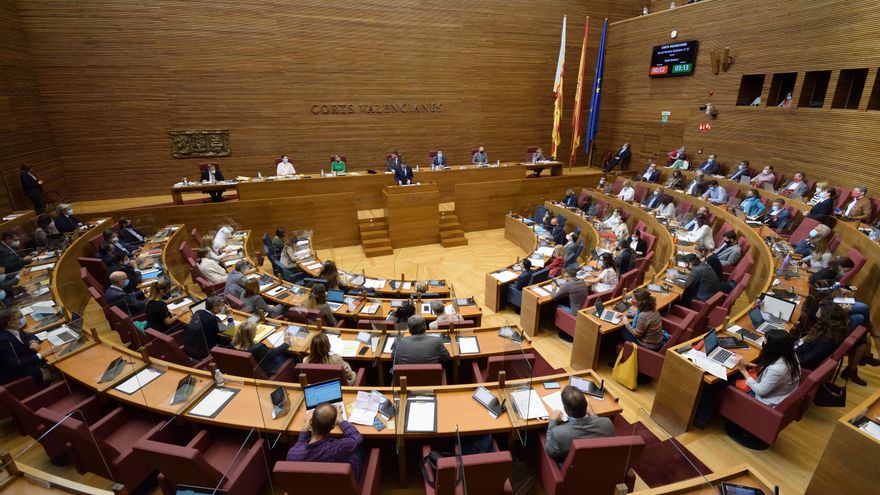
pixel 675 181
pixel 576 290
pixel 10 255
pixel 639 245
pixel 797 187
pixel 624 256
pixel 130 237
pixel 65 222
pixel 752 205
pixel 765 177
pixel 119 294
pixel 708 257
pixel 697 185
pixel 607 278
pixel 480 157
pixel 111 237
pixel 653 200
pixel 570 249
pixel 557 232
pixel 203 331
pixel 46 235
pixel 235 280
pixel 702 234
pixel 571 199
pixel 825 207
pixel 221 238
pixel 615 219
pixel 121 262
pixel 646 327
pixel 621 158
pixel 820 255
pixel 692 225
pixel 742 170
pixel 556 262
pixel 675 155
pixel 730 251
pixel 666 209
pixel 651 174
pixel 627 192
pixel 156 310
pixel 702 282
pixel 439 161
pixel 19 350
pixel 715 194
pixel 604 185
pixel 213 174
pixel 805 246
pixel 826 278
pixel 778 217
pixel 859 208
pixel 819 195
pixel 710 166
pixel 210 269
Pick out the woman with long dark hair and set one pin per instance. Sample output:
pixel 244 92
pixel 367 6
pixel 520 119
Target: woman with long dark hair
pixel 823 337
pixel 319 353
pixel 608 276
pixel 778 369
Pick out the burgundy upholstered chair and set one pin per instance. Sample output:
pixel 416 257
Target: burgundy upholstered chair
pixel 196 236
pixel 858 260
pixel 96 268
pixel 242 363
pixel 317 373
pixel 566 321
pixel 329 477
pixel 169 347
pixel 210 289
pixel 486 474
pixel 597 463
pixel 375 324
pixel 419 375
pixel 515 366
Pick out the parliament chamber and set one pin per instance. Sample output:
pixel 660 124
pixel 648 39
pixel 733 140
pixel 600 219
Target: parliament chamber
pixel 280 247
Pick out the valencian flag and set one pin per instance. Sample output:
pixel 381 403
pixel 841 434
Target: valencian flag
pixel 557 89
pixel 593 122
pixel 578 103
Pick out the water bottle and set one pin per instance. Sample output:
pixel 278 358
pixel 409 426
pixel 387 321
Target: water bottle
pixel 218 378
pixel 259 175
pixel 322 172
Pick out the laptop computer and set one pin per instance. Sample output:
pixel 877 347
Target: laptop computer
pixel 715 352
pixel 776 309
pixel 744 179
pixel 606 314
pixel 336 296
pixel 761 325
pixel 329 392
pixel 785 270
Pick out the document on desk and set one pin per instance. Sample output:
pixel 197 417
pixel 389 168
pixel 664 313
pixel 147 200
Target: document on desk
pixel 264 331
pixel 844 300
pixel 370 309
pixel 277 290
pixel 389 343
pixel 710 366
pixel 139 380
pixel 421 414
pixel 214 402
pixel 537 262
pixel 314 266
pixel 276 339
pixel 366 405
pixel 528 404
pixel 38 268
pixel 179 304
pixel 468 344
pixel 505 276
pixel 871 428
pixel 554 402
pixel 541 291
pixel 545 251
pixel 342 347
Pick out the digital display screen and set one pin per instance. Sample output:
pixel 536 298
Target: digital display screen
pixel 674 59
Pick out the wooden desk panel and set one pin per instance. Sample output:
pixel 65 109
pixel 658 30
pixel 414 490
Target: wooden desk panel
pixel 413 214
pixel 68 290
pixel 22 220
pixel 708 485
pixel 157 394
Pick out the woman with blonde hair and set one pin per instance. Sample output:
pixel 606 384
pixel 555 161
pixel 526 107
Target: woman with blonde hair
pixel 558 260
pixel 269 360
pixel 319 353
pixel 208 245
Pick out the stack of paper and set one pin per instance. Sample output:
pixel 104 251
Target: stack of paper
pixel 138 381
pixel 342 347
pixel 212 402
pixel 704 363
pixel 528 404
pixel 537 262
pixel 545 251
pixel 389 344
pixel 365 408
pixel 47 266
pixel 554 402
pixel 541 291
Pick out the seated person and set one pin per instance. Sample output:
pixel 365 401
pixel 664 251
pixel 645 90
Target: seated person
pixel 403 174
pixel 210 269
pixel 805 246
pixel 19 350
pixel 418 348
pixel 111 237
pixel 616 218
pixel 710 166
pixel 319 300
pixel 480 157
pixel 65 222
pixel 320 353
pixel 210 175
pixel 778 217
pixel 702 234
pixel 156 309
pixel 129 236
pixel 651 174
pixel 571 247
pixel 589 206
pixel 527 272
pixel 621 231
pixel 571 199
pixel 284 168
pixel 681 164
pixel 742 170
pixel 715 194
pixel 557 232
pixel 439 160
pixel 221 238
pixel 254 302
pixel 315 444
pixel 708 257
pixel 765 177
pixel 203 331
pixel 235 280
pixel 778 370
pixel 697 186
pixel 653 200
pixel 575 289
pixel 646 327
pixel 604 186
pixel 824 336
pixel 331 275
pixel 287 257
pixel 819 256
pixel 859 208
pixel 394 162
pixel 675 181
pixel 752 206
pixel 278 241
pixel 666 208
pixel 691 225
pixel 825 207
pixel 538 156
pixel 46 235
pixel 401 315
pixel 557 260
pixel 675 155
pixel 105 253
pixel 702 282
pixel 439 310
pixel 268 360
pixel 624 257
pixel 797 187
pixel 730 251
pixel 337 166
pixel 639 245
pixel 818 195
pixel 626 192
pixel 620 158
pixel 121 262
pixel 118 294
pixel 10 256
pixel 582 423
pixel 607 278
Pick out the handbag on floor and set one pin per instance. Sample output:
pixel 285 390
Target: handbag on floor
pixel 829 394
pixel 626 368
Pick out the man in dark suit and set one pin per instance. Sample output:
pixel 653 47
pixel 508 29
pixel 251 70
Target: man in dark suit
pixel 710 166
pixel 403 174
pixel 32 188
pixel 418 348
pixel 571 199
pixel 393 162
pixel 117 295
pixel 203 330
pixel 18 349
pixel 639 245
pixel 10 258
pixel 778 217
pixel 111 237
pixel 620 158
pixel 653 200
pixel 439 160
pixel 65 222
pixel 526 276
pixel 742 170
pixel 213 174
pixel 822 210
pixel 130 237
pixel 557 231
pixel 702 283
pixel 697 185
pixel 121 262
pixel 624 255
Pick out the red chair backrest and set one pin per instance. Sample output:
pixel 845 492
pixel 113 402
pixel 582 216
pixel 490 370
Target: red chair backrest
pixel 92 452
pixel 530 152
pixel 90 280
pixel 734 294
pixel 316 477
pixel 460 324
pixel 515 366
pixel 164 347
pixel 858 260
pixel 599 463
pixel 186 251
pixel 234 301
pixel 235 362
pixel 617 186
pixel 375 324
pixel 485 474
pixel 650 240
pixel 640 226
pixel 181 465
pixel 582 197
pixel 732 191
pixel 432 154
pixel 96 268
pixel 834 242
pixel 682 329
pixel 708 305
pixel 682 208
pixel 196 236
pixel 341 157
pixel 97 296
pixel 629 280
pixel 317 373
pixel 848 343
pixel 418 375
pixel 640 193
pixel 204 166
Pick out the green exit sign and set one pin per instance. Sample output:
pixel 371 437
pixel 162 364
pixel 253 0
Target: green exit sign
pixel 682 68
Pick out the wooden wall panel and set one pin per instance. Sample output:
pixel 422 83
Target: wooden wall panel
pixel 765 38
pixel 25 135
pixel 117 76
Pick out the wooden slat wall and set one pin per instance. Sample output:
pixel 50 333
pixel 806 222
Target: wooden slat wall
pixel 117 76
pixel 765 38
pixel 25 135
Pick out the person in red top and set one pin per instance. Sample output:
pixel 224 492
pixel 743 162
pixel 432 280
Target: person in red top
pixel 557 261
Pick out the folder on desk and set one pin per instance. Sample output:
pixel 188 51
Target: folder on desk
pixel 421 414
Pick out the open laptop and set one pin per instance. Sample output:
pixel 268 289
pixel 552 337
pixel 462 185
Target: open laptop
pixel 329 392
pixel 777 310
pixel 336 296
pixel 758 321
pixel 785 270
pixel 606 314
pixel 715 352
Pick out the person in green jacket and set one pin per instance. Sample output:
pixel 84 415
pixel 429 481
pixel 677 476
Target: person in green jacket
pixel 337 165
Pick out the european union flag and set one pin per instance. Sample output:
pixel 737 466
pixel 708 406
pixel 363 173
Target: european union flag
pixel 596 99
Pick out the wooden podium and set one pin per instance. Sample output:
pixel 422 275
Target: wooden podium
pixel 413 214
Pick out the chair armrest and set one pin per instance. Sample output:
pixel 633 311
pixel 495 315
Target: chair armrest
pixel 110 423
pixel 201 441
pixel 548 464
pixel 286 372
pixel 203 364
pixel 251 471
pixel 372 474
pixel 758 418
pixel 476 372
pixel 359 377
pixel 23 387
pixel 177 336
pixel 43 398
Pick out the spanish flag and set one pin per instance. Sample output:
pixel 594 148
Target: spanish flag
pixel 578 97
pixel 557 89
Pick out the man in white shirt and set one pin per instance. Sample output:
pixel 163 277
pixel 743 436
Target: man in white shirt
pixel 702 234
pixel 627 192
pixel 284 168
pixel 222 238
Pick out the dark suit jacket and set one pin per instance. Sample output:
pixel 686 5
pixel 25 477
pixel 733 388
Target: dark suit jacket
pixel 641 248
pixel 523 279
pixel 624 260
pixel 571 200
pixel 822 209
pixel 201 334
pixel 654 177
pixel 438 160
pixel 134 278
pixel 16 360
pixel 713 261
pixel 419 349
pixel 10 259
pixel 558 234
pixel 651 201
pixel 269 360
pixel 392 164
pixel 780 221
pixel 712 168
pixel 126 301
pixel 699 189
pixel 403 174
pixel 702 283
pixel 623 156
pixel 30 186
pixel 218 175
pixel 128 239
pixel 66 224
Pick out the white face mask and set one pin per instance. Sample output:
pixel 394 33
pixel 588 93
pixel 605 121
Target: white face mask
pixel 68 211
pixel 284 160
pixel 656 193
pixel 439 154
pixel 15 243
pixel 766 170
pixel 814 233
